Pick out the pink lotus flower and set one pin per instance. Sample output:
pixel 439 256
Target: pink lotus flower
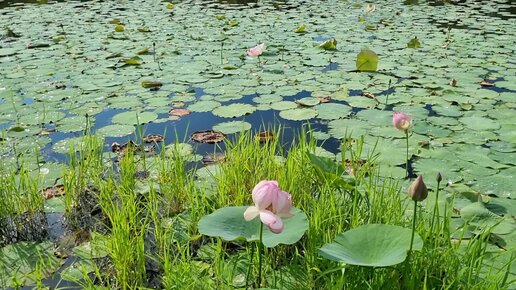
pixel 401 121
pixel 256 51
pixel 271 204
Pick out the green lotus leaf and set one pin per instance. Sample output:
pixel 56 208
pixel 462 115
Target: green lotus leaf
pixel 373 245
pixel 298 114
pixel 332 111
pixel 133 118
pixel 232 127
pixel 22 258
pixel 229 224
pixel 367 60
pixel 234 110
pixel 203 106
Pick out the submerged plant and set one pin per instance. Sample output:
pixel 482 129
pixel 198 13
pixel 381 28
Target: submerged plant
pixel 403 122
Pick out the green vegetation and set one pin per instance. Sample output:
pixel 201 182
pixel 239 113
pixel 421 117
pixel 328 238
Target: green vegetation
pixel 141 216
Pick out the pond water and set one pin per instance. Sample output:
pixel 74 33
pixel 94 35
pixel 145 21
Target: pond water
pixel 67 62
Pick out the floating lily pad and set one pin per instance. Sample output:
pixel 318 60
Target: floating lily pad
pixel 132 118
pixel 115 130
pixel 203 106
pixel 298 114
pixel 232 127
pixel 233 110
pixel 21 259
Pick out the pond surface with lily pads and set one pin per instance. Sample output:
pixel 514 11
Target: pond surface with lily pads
pixel 70 65
pixel 128 69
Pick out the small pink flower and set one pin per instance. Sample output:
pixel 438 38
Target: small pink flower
pixel 271 204
pixel 401 121
pixel 256 51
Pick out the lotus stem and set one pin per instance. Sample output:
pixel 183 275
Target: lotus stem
pixel 249 269
pixel 436 209
pixel 407 159
pixel 221 49
pixel 260 254
pixel 413 227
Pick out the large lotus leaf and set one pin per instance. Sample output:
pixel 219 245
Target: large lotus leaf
pixel 283 105
pixel 308 101
pixel 367 60
pixel 478 215
pixel 373 245
pixel 132 118
pixel 203 106
pixel 229 224
pixel 341 94
pixel 232 127
pixel 115 130
pixel 332 111
pixel 234 110
pixel 479 123
pixel 22 258
pixel 298 114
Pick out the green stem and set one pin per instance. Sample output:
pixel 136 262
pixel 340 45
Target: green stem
pixel 406 164
pixel 260 254
pixel 413 227
pixel 436 210
pixel 249 269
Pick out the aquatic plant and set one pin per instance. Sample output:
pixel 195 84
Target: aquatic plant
pixel 403 122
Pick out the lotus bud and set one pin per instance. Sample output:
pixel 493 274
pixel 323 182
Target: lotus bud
pixel 439 178
pixel 417 190
pixel 401 121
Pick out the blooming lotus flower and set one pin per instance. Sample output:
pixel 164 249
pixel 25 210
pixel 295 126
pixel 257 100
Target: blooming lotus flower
pixel 417 190
pixel 401 121
pixel 256 51
pixel 271 204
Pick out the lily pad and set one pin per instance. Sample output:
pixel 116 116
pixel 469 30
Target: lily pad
pixel 21 259
pixel 132 118
pixel 374 245
pixel 232 127
pixel 234 110
pixel 298 114
pixel 229 224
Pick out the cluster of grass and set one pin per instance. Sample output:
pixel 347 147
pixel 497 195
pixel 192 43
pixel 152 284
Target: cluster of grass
pixel 148 209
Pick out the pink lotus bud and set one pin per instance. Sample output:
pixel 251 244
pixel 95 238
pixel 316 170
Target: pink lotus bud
pixel 283 204
pixel 256 51
pixel 417 190
pixel 264 193
pixel 401 121
pixel 271 204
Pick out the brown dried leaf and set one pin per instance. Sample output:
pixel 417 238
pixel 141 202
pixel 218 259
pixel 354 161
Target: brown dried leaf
pixel 324 99
pixel 487 84
pixel 208 136
pixel 264 136
pixel 179 112
pixel 53 191
pixel 368 95
pixel 213 158
pixel 153 138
